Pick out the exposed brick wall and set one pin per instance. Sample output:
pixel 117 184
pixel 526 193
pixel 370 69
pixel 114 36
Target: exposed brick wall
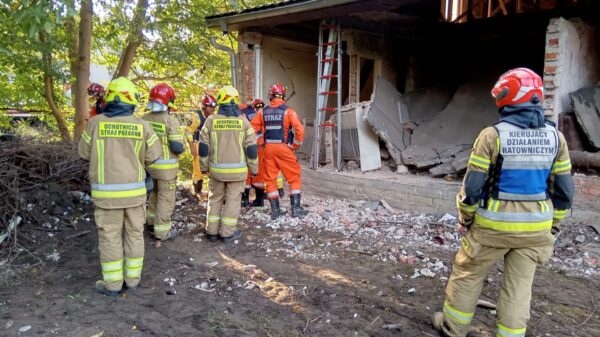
pixel 424 194
pixel 572 61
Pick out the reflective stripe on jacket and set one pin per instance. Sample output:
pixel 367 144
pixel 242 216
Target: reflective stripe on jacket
pixel 119 149
pixel 224 143
pixel 167 129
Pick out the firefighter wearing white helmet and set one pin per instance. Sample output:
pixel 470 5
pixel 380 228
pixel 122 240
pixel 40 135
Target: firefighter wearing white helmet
pixel 119 148
pixel 516 191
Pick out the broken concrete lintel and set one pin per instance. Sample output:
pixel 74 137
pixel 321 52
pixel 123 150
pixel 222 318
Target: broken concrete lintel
pixel 383 117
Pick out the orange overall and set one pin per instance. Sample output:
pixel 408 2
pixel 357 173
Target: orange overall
pixel 274 123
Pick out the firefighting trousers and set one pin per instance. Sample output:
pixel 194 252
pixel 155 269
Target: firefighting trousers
pixel 279 157
pixel 471 266
pixel 196 172
pixel 161 204
pixel 121 245
pixel 224 203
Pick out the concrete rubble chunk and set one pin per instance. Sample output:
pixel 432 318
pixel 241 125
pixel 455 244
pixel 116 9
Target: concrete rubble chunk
pixel 385 116
pixel 586 103
pixel 437 142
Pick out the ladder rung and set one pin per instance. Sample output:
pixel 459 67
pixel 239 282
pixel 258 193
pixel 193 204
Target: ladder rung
pixel 329 60
pixel 328 93
pixel 328 124
pixel 328 109
pixel 328 43
pixel 329 76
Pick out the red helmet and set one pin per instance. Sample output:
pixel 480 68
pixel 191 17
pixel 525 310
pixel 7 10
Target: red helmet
pixel 258 104
pixel 209 100
pixel 518 86
pixel 162 93
pixel 277 90
pixel 95 89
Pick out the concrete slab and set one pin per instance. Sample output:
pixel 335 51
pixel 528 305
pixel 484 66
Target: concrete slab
pixel 424 104
pixel 368 142
pixel 384 118
pixel 455 128
pixel 586 103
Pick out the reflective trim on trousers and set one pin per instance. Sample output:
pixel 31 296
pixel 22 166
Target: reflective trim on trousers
pixel 559 214
pixel 457 315
pixel 259 185
pixel 229 221
pixel 162 227
pixel 295 191
pixel 112 271
pixel 230 170
pixel 503 331
pixel 227 165
pixel 133 267
pixel 273 195
pixel 118 187
pixel 213 218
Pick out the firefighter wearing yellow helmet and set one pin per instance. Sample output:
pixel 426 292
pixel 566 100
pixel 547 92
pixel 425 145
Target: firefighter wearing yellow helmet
pixel 119 148
pixel 227 149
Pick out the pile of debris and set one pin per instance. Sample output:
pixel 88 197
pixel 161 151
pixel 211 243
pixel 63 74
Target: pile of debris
pixel 422 241
pixel 38 181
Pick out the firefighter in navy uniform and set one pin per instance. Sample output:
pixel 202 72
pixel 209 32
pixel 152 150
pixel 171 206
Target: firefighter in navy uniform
pixel 249 111
pixel 192 134
pixel 516 191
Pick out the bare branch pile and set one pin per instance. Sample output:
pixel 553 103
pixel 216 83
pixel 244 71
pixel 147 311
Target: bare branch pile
pixel 28 166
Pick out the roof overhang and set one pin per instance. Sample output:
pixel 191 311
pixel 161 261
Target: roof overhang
pixel 298 11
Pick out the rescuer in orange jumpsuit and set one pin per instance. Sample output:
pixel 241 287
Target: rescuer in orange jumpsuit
pixel 283 134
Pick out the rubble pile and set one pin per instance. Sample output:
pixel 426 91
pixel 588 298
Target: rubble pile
pixel 421 241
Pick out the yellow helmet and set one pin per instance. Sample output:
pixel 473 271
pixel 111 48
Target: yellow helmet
pixel 124 89
pixel 228 95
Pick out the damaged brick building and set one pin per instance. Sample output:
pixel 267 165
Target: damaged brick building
pixel 414 81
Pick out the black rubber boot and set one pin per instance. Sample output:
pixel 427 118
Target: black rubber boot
pixel 198 187
pixel 245 197
pixel 212 238
pixel 236 235
pixel 260 197
pixel 297 210
pixel 275 211
pixel 281 192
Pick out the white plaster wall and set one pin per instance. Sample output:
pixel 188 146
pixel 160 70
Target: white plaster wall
pixel 295 65
pixel 579 61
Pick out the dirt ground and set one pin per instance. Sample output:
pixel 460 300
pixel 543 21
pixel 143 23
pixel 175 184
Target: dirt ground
pixel 259 286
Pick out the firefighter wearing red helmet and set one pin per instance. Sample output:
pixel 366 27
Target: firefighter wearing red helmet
pixel 96 93
pixel 192 134
pixel 161 202
pixel 516 191
pixel 283 134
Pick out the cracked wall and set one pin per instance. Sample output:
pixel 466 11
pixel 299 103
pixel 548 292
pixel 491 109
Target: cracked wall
pixel 295 65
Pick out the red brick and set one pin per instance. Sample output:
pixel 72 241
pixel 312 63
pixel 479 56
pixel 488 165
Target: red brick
pixel 549 84
pixel 550 70
pixel 553 42
pixel 551 56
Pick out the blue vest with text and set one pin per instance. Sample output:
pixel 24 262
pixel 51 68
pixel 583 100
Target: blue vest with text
pixel 524 162
pixel 273 118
